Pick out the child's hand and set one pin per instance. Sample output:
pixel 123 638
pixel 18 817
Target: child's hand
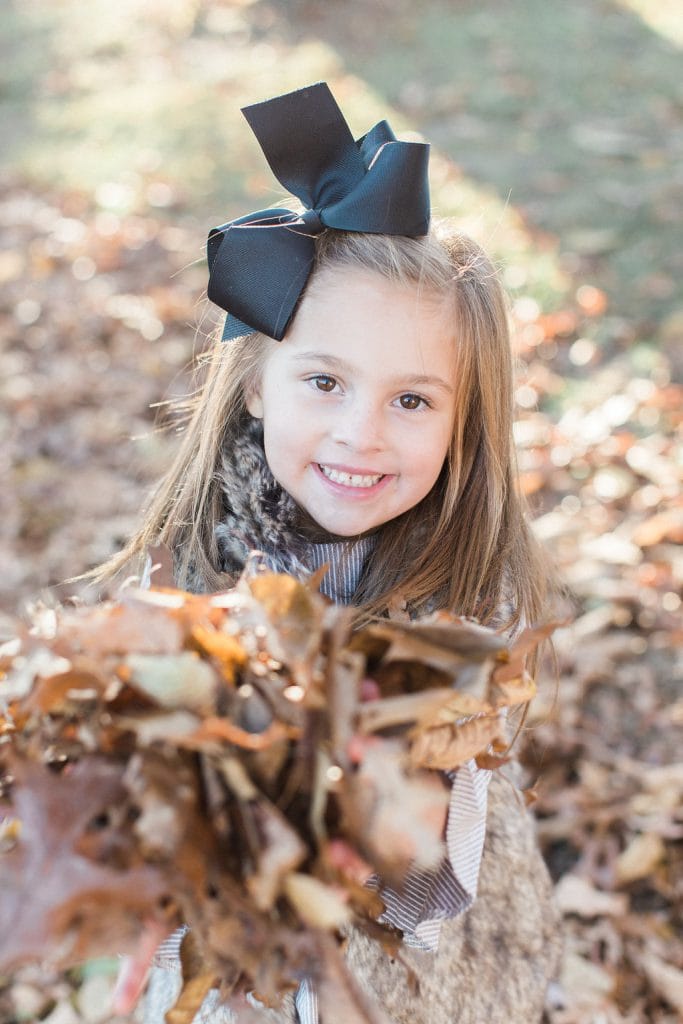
pixel 344 858
pixel 403 813
pixel 369 690
pixel 134 969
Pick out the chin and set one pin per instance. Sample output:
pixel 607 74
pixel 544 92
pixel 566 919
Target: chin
pixel 345 531
pixel 343 527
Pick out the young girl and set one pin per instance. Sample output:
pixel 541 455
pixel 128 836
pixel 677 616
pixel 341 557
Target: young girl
pixel 357 413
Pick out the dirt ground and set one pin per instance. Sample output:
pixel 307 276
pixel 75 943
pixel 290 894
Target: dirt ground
pixel 557 142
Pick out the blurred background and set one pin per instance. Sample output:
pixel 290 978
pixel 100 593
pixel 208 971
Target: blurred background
pixel 557 142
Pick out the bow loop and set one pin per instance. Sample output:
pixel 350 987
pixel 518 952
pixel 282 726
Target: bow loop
pixel 385 194
pixel 372 141
pixel 259 264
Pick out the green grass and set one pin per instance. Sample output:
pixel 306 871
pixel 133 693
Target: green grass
pixel 556 127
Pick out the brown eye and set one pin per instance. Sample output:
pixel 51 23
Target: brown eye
pixel 325 383
pixel 410 401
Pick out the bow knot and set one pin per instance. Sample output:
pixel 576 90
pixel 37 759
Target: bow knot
pixel 259 264
pixel 310 219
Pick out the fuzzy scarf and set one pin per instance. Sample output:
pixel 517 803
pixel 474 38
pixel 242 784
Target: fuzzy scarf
pixel 258 514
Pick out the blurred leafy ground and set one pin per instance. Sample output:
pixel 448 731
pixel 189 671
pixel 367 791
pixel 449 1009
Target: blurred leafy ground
pixel 558 134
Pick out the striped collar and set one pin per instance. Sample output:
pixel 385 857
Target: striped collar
pixel 345 560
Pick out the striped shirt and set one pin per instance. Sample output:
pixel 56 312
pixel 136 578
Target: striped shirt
pixel 345 561
pixel 428 898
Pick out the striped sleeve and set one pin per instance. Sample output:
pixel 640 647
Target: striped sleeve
pixel 430 897
pixel 466 827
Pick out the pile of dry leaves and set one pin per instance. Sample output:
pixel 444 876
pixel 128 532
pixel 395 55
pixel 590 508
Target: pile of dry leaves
pixel 234 762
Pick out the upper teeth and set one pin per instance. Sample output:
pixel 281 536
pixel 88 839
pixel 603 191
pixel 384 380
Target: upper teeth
pixel 350 479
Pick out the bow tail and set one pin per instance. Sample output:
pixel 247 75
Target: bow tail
pixel 258 274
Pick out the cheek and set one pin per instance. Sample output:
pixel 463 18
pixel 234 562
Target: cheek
pixel 429 461
pixel 254 404
pixel 285 439
pixel 428 448
pixel 267 399
pixel 263 380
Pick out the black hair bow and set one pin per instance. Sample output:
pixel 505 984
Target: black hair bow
pixel 259 264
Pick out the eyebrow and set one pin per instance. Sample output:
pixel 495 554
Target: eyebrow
pixel 405 380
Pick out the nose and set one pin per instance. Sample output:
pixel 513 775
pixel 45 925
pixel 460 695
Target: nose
pixel 359 426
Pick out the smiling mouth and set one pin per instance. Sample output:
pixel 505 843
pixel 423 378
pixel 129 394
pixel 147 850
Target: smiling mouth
pixel 350 479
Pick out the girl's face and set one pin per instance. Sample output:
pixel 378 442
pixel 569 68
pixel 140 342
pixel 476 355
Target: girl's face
pixel 358 400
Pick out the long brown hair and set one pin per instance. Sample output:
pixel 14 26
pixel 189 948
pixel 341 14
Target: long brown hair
pixel 467 545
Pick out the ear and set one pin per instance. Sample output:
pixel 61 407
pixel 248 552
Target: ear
pixel 255 402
